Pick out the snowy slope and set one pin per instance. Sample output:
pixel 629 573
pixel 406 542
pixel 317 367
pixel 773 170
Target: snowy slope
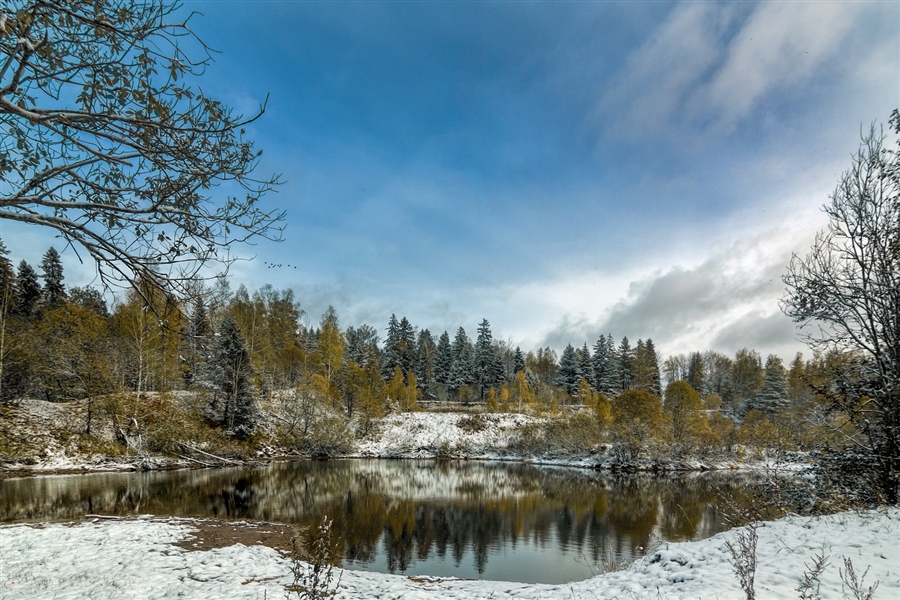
pixel 136 559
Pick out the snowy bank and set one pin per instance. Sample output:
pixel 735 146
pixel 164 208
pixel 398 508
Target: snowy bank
pixel 46 442
pixel 102 558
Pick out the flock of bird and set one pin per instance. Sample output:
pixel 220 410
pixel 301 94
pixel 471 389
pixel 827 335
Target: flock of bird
pixel 277 266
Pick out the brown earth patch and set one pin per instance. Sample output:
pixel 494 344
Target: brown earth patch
pixel 209 534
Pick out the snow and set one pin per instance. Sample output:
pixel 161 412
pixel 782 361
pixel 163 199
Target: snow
pixel 101 558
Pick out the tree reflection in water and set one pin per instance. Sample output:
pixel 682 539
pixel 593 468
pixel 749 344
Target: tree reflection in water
pixel 469 519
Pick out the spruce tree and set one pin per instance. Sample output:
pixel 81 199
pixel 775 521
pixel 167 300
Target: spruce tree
pixel 567 375
pixel 443 359
pixel 28 291
pixel 406 345
pixel 425 357
pixel 585 365
pixel 362 345
pixel 390 357
pixel 604 371
pixel 7 279
pixel 461 370
pixel 773 395
pixel 518 361
pixel 625 358
pixel 695 375
pixel 54 292
pixel 234 381
pixel 483 361
pixel 653 367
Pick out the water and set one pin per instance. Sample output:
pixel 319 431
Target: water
pixel 478 520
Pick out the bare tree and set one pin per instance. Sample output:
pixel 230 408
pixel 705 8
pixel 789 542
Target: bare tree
pixel 104 140
pixel 847 290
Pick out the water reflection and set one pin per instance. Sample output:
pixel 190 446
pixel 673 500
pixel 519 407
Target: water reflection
pixel 466 519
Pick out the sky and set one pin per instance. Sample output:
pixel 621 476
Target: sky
pixel 562 169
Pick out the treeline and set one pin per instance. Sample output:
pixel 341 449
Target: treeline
pixel 60 344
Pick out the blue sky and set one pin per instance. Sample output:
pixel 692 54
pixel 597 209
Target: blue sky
pixel 563 169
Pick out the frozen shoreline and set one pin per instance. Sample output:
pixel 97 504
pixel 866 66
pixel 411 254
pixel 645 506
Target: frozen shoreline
pixel 136 558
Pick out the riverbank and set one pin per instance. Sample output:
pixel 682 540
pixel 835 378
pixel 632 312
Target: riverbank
pixel 44 438
pixel 147 558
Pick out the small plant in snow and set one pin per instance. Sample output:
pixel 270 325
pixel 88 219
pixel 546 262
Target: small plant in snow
pixel 312 564
pixel 810 584
pixel 743 558
pixel 849 580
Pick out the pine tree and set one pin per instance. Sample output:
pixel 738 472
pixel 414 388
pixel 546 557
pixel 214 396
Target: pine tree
pixel 390 357
pixel 604 377
pixel 7 299
pixel 585 365
pixel 625 358
pixel 425 358
pixel 198 338
pixel 362 345
pixel 746 379
pixel 483 364
pixel 7 278
pixel 443 359
pixel 234 376
pixel 28 291
pixel 773 395
pixel 518 361
pixel 406 345
pixel 695 375
pixel 461 370
pixel 652 365
pixel 567 376
pixel 54 292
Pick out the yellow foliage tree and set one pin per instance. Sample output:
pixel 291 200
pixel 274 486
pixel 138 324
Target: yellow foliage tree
pixel 637 417
pixel 687 421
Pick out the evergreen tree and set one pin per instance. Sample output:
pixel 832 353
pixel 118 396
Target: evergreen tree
pixel 362 345
pixel 567 375
pixel 625 358
pixel 746 379
pixel 198 339
pixel 7 299
pixel 615 367
pixel 390 357
pixel 773 395
pixel 652 364
pixel 461 369
pixel 234 380
pixel 518 361
pixel 483 363
pixel 7 280
pixel 443 359
pixel 54 292
pixel 695 374
pixel 28 291
pixel 406 346
pixel 585 365
pixel 604 376
pixel 425 357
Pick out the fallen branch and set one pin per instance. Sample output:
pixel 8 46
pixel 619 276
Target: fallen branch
pixel 227 461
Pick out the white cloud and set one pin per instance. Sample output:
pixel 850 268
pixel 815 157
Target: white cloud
pixel 781 46
pixel 708 66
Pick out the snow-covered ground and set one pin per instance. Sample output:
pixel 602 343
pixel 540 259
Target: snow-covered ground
pixel 137 559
